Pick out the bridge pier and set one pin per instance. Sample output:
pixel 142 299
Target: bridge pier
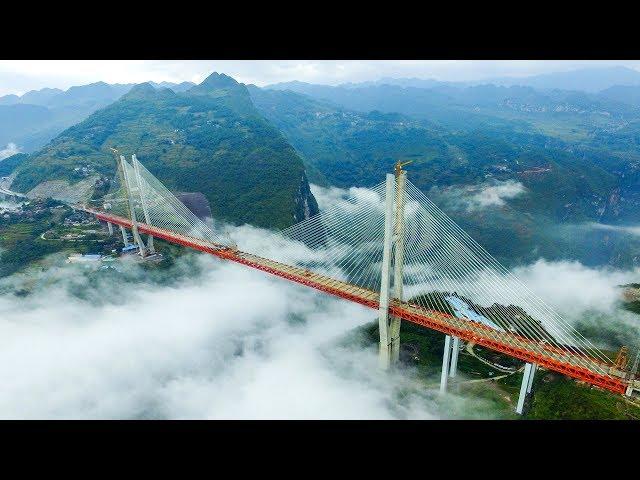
pixel 449 361
pixel 393 235
pixel 446 356
pixel 524 387
pixel 110 228
pixel 125 239
pixel 150 246
pixel 534 367
pixel 455 350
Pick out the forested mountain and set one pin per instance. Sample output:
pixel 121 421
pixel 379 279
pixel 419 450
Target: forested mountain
pixel 342 147
pixel 510 184
pixel 352 148
pixel 527 171
pixel 208 139
pixel 33 119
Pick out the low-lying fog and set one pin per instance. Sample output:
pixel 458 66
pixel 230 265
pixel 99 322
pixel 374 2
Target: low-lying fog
pixel 207 339
pixel 224 342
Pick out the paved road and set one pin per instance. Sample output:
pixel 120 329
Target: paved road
pixel 486 362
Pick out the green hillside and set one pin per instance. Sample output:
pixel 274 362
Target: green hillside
pixel 209 139
pixel 9 164
pixel 563 186
pixel 584 138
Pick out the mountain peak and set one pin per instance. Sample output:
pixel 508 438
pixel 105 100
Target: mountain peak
pixel 218 84
pixel 219 80
pixel 225 90
pixel 140 91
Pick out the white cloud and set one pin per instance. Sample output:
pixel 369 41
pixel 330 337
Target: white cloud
pixel 11 149
pixel 495 194
pixel 477 197
pixel 223 342
pixel 349 198
pixel 574 288
pixel 588 298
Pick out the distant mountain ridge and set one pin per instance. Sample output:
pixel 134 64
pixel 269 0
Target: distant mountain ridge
pixel 36 127
pixel 452 106
pixel 31 120
pixel 54 96
pixel 591 80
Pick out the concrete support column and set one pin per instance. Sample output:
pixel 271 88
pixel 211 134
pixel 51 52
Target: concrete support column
pixel 150 246
pixel 632 374
pixel 110 227
pixel 445 364
pixel 523 388
pixel 125 239
pixel 534 367
pixel 383 311
pixel 455 349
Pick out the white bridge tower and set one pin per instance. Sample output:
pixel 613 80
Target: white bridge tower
pixel 389 326
pixel 132 185
pixel 132 209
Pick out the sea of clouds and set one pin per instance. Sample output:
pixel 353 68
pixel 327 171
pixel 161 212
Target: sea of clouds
pixel 209 339
pixel 223 342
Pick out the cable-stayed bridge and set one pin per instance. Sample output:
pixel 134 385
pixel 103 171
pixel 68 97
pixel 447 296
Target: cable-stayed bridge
pixel 393 250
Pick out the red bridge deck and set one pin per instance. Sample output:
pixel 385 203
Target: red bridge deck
pixel 569 363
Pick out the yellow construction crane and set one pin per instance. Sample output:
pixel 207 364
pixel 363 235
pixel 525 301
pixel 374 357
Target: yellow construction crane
pixel 399 166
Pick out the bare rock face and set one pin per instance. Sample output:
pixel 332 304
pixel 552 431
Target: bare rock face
pixel 64 190
pixel 305 203
pixel 196 202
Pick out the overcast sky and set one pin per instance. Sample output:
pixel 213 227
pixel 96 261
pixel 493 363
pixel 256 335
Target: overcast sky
pixel 19 76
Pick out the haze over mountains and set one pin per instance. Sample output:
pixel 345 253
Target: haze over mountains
pixel 31 120
pixel 590 80
pixel 526 169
